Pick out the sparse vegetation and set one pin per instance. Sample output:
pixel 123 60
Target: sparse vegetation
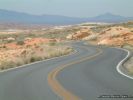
pixel 99 28
pixel 88 24
pixel 44 51
pixel 129 64
pixel 128 46
pixel 34 44
pixel 114 34
pixel 92 37
pixel 31 45
pixel 20 42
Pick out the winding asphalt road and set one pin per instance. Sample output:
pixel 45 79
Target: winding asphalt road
pixel 88 74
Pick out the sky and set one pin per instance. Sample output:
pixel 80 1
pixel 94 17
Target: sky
pixel 72 8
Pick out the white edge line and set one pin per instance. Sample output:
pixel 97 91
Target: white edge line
pixel 26 65
pixel 121 62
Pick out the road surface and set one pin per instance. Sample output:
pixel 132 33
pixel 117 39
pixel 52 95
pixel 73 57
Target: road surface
pixel 88 74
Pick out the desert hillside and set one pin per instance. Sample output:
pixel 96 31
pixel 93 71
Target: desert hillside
pixel 20 46
pixel 114 35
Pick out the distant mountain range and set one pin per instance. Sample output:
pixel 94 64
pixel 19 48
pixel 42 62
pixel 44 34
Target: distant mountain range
pixel 17 17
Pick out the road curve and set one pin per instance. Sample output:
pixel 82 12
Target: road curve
pixel 82 74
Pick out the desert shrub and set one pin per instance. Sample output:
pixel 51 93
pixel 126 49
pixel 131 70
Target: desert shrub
pixel 21 42
pixel 32 55
pixel 35 58
pixel 92 37
pixel 3 46
pixel 7 64
pixel 129 65
pixel 114 35
pixel 128 46
pixel 10 41
pixel 52 43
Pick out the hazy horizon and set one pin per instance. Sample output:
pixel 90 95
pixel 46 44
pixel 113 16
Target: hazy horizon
pixel 71 8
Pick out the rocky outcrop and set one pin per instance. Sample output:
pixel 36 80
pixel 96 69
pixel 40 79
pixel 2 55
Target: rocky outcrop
pixel 115 36
pixel 79 34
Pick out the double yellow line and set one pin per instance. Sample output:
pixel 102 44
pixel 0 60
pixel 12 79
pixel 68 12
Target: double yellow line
pixel 57 87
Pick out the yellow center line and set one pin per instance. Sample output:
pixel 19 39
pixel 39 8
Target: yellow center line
pixel 57 87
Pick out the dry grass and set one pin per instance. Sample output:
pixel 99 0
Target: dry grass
pixel 114 34
pixel 129 65
pixel 92 37
pixel 128 46
pixel 42 52
pixel 130 69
